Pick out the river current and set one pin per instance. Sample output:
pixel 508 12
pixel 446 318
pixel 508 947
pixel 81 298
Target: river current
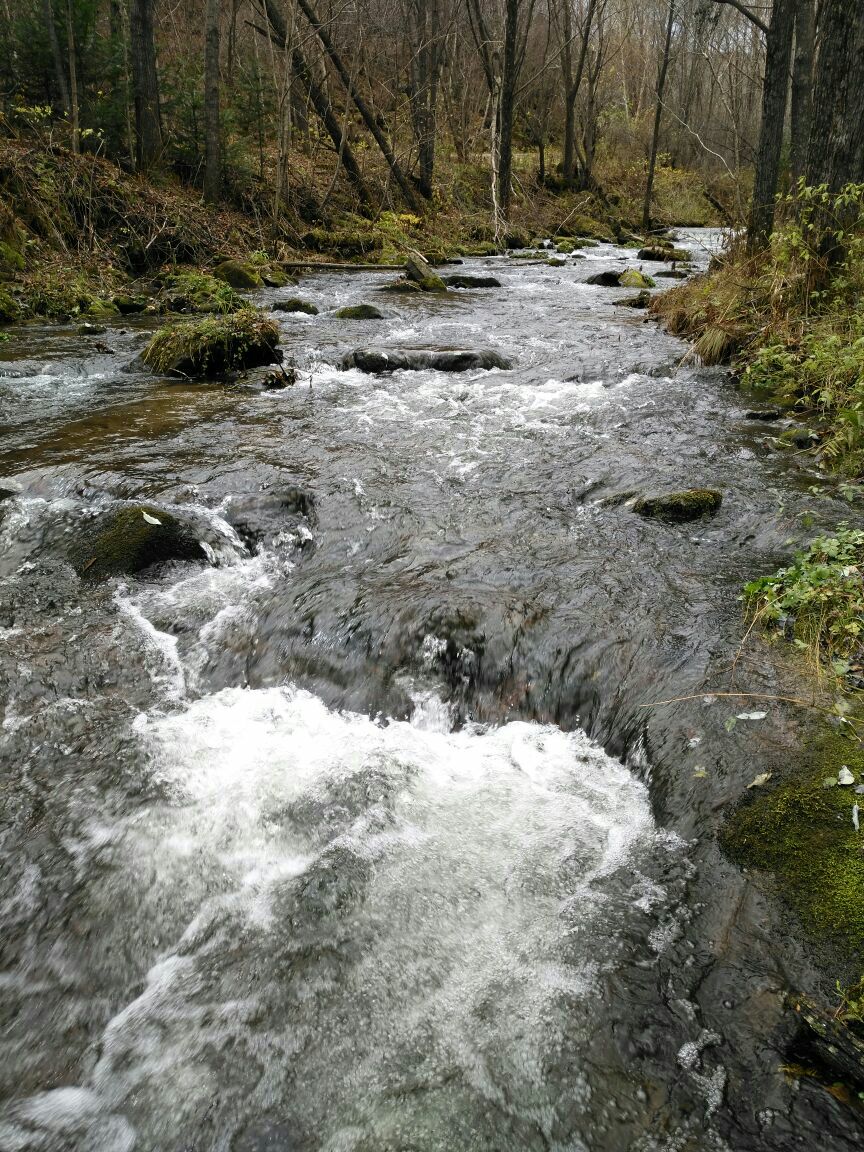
pixel 357 835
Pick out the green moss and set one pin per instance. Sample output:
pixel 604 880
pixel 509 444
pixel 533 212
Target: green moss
pixel 432 284
pixel 243 277
pixel 359 312
pixel 200 292
pixel 566 247
pixel 633 278
pixel 10 310
pixel 802 832
pixel 294 304
pixel 215 345
pixel 481 248
pixel 130 542
pixel 678 507
pixel 11 258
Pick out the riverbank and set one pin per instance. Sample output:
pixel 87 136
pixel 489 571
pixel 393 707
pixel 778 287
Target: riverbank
pixel 80 238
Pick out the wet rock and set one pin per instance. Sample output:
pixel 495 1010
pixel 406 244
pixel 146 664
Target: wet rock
pixel 401 286
pixel 295 305
pixel 359 312
pixel 633 278
pixel 672 274
pixel 605 279
pixel 642 300
pixel 379 360
pixel 556 262
pixel 517 239
pixel 461 281
pixel 419 271
pixel 272 276
pixel 679 507
pixel 660 252
pixel 566 247
pixel 91 329
pixel 799 437
pixel 131 539
pixel 215 345
pixel 243 277
pixel 255 516
pixel 128 305
pixel 765 414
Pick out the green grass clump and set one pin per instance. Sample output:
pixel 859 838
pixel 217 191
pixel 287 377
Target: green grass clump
pixel 821 594
pixel 200 292
pixel 214 345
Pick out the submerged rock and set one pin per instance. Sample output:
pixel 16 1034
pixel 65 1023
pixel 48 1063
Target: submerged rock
pixel 678 507
pixel 131 539
pixel 255 516
pixel 359 312
pixel 378 360
pixel 294 304
pixel 239 275
pixel 641 300
pixel 215 345
pixel 764 414
pixel 403 285
pixel 128 305
pixel 464 281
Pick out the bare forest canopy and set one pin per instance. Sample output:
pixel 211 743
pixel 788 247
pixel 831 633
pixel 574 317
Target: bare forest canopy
pixel 285 105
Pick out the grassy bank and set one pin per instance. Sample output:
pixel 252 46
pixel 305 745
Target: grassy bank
pixel 76 232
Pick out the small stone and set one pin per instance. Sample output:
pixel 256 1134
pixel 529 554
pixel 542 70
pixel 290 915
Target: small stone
pixel 845 777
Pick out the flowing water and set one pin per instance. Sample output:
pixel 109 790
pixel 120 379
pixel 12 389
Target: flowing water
pixel 357 836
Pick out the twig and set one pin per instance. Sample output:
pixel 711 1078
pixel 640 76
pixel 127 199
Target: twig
pixel 748 695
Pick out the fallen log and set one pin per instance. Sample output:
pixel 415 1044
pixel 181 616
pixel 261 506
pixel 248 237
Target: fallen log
pixel 836 1045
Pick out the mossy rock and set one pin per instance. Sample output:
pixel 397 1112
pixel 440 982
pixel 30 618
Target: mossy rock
pixel 483 248
pixel 633 278
pixel 10 309
pixel 556 262
pixel 660 252
pixel 802 832
pixel 641 300
pixel 679 507
pixel 566 247
pixel 359 312
pixel 294 304
pixel 432 284
pixel 608 279
pixel 403 286
pixel 215 345
pixel 517 239
pixel 11 258
pixel 99 309
pixel 275 277
pixel 243 277
pixel 132 539
pixel 128 305
pixel 347 244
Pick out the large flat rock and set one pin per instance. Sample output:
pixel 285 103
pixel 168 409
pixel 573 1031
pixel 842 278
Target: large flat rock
pixel 376 360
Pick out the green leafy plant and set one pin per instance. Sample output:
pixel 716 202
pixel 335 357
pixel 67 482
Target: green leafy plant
pixel 819 598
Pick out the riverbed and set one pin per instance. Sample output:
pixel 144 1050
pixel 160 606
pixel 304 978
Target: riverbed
pixel 369 831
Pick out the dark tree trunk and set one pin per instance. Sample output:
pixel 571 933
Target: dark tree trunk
pixel 425 71
pixel 145 83
pixel 775 88
pixel 802 84
pixel 212 128
pixel 835 155
pixel 362 107
pixel 73 80
pixel 658 115
pixel 572 83
pixel 56 56
pixel 506 107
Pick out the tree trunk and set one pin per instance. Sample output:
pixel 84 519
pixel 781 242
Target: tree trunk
pixel 425 70
pixel 775 89
pixel 362 107
pixel 212 129
pixel 505 109
pixel 145 84
pixel 835 155
pixel 658 115
pixel 56 56
pixel 73 81
pixel 802 83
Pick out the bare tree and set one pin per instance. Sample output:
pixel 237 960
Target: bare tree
pixel 212 127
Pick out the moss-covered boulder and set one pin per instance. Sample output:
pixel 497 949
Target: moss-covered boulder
pixel 556 262
pixel 403 286
pixel 275 277
pixel 131 539
pixel 200 292
pixel 566 247
pixel 461 280
pixel 517 239
pixel 10 310
pixel 214 345
pixel 640 300
pixel 242 276
pixel 660 252
pixel 608 279
pixel 294 304
pixel 128 305
pixel 679 507
pixel 633 278
pixel 359 312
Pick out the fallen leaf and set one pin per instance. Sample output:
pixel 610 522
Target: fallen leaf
pixel 845 777
pixel 751 715
pixel 150 519
pixel 760 780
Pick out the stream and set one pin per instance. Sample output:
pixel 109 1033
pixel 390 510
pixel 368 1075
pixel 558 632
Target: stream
pixel 357 835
